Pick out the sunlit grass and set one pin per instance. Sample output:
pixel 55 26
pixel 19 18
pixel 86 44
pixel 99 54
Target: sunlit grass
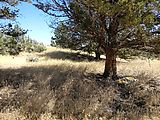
pixel 138 66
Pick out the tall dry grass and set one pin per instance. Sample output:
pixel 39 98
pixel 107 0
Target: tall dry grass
pixel 63 85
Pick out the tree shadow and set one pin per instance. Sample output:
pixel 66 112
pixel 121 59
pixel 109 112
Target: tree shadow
pixel 70 56
pixel 29 80
pixel 31 86
pixel 31 89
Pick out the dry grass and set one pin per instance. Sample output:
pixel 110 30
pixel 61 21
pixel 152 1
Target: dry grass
pixel 135 67
pixel 63 85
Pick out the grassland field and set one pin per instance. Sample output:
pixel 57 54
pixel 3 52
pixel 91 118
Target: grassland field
pixel 64 84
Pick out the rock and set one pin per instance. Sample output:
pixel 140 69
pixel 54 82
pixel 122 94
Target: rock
pixel 32 59
pixel 126 80
pixel 119 60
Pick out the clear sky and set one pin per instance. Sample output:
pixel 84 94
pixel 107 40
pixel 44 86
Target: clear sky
pixel 36 22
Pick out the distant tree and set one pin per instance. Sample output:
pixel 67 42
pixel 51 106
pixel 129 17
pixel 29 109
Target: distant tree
pixel 108 20
pixel 67 36
pixel 13 31
pixel 62 37
pixel 13 41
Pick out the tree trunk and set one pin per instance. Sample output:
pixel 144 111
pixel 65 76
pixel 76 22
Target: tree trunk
pixel 114 67
pixel 110 64
pixel 97 53
pixel 110 43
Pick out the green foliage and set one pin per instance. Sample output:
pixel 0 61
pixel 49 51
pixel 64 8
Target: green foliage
pixel 104 20
pixel 133 54
pixel 38 48
pixel 9 46
pixel 108 24
pixel 13 41
pixel 7 8
pixel 66 37
pixel 62 37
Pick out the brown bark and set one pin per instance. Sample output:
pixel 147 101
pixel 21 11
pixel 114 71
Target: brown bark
pixel 110 45
pixel 97 55
pixel 110 64
pixel 111 49
pixel 114 67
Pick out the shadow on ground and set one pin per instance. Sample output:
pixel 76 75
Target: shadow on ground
pixel 62 90
pixel 70 56
pixel 70 93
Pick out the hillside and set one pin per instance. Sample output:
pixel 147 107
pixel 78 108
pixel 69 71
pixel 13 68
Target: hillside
pixel 60 84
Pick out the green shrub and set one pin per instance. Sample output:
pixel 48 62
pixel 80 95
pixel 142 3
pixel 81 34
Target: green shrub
pixel 13 46
pixel 39 48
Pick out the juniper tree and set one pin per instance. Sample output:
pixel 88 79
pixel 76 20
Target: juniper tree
pixel 108 20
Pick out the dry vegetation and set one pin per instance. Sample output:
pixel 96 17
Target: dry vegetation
pixel 64 85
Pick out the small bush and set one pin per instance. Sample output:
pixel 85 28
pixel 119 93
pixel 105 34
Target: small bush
pixel 39 48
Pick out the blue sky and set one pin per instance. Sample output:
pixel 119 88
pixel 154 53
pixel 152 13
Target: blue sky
pixel 35 21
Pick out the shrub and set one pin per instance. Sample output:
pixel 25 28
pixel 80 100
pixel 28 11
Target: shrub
pixel 13 46
pixel 39 48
